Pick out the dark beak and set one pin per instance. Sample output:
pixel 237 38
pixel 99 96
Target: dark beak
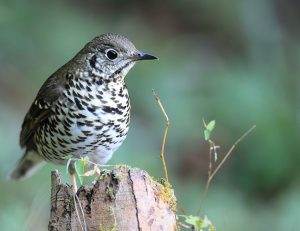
pixel 144 56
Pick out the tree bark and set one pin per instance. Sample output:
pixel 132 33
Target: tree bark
pixel 121 199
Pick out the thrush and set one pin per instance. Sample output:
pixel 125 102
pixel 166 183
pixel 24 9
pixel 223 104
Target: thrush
pixel 83 109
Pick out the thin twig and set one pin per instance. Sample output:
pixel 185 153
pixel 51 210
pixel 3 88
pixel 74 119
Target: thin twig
pixel 83 227
pixel 230 151
pixel 211 175
pixel 203 197
pixel 165 134
pixel 211 144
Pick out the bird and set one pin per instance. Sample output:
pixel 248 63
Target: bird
pixel 82 109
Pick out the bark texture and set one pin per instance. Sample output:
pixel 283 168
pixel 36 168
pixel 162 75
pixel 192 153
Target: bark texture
pixel 121 199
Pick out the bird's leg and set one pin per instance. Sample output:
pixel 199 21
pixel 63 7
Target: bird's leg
pixel 97 171
pixel 74 184
pixel 73 177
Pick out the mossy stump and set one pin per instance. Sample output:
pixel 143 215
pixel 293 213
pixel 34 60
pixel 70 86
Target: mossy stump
pixel 121 199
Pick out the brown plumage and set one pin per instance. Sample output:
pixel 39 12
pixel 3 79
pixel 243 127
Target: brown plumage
pixel 83 108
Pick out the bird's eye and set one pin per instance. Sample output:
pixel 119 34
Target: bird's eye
pixel 111 54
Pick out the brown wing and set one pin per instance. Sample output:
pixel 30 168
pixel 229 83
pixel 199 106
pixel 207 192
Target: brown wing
pixel 40 109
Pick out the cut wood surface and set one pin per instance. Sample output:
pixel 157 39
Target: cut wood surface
pixel 121 199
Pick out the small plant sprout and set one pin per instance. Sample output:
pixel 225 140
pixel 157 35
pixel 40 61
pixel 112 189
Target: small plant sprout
pixel 198 223
pixel 208 128
pixel 80 165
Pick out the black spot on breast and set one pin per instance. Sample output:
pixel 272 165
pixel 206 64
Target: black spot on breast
pixel 74 93
pixel 78 104
pixel 80 123
pixel 88 123
pixel 91 109
pixel 120 106
pixel 71 115
pixel 98 127
pixel 107 109
pixel 111 110
pixel 99 82
pixel 81 138
pixel 87 81
pixel 88 88
pixel 84 102
pixel 121 94
pixel 86 133
pixel 92 61
pixel 71 83
pixel 90 96
pixel 67 86
pixel 70 100
pixel 80 116
pixel 80 85
pixel 118 111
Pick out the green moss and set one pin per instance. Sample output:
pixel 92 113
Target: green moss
pixel 104 173
pixel 103 228
pixel 114 228
pixel 110 192
pixel 165 191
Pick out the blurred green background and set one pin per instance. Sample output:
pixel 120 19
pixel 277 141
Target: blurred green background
pixel 235 61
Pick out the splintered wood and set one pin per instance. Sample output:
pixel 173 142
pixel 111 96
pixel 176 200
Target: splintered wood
pixel 121 199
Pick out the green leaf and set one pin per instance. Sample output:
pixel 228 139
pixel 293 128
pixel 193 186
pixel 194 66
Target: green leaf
pixel 199 223
pixel 211 125
pixel 208 129
pixel 80 168
pixel 194 220
pixel 207 224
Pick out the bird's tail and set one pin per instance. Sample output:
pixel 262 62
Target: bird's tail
pixel 27 166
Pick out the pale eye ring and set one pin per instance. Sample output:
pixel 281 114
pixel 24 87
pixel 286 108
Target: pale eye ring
pixel 111 54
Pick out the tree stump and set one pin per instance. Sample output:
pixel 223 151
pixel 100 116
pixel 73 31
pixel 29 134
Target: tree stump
pixel 121 199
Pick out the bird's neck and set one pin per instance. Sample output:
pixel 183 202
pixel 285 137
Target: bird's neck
pixel 98 76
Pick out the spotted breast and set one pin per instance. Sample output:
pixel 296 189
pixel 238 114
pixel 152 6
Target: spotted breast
pixel 91 119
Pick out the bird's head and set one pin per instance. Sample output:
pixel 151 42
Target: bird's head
pixel 111 56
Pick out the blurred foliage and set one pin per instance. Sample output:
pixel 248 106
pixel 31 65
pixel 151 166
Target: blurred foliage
pixel 233 61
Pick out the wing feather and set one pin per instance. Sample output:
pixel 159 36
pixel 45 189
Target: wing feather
pixel 41 109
